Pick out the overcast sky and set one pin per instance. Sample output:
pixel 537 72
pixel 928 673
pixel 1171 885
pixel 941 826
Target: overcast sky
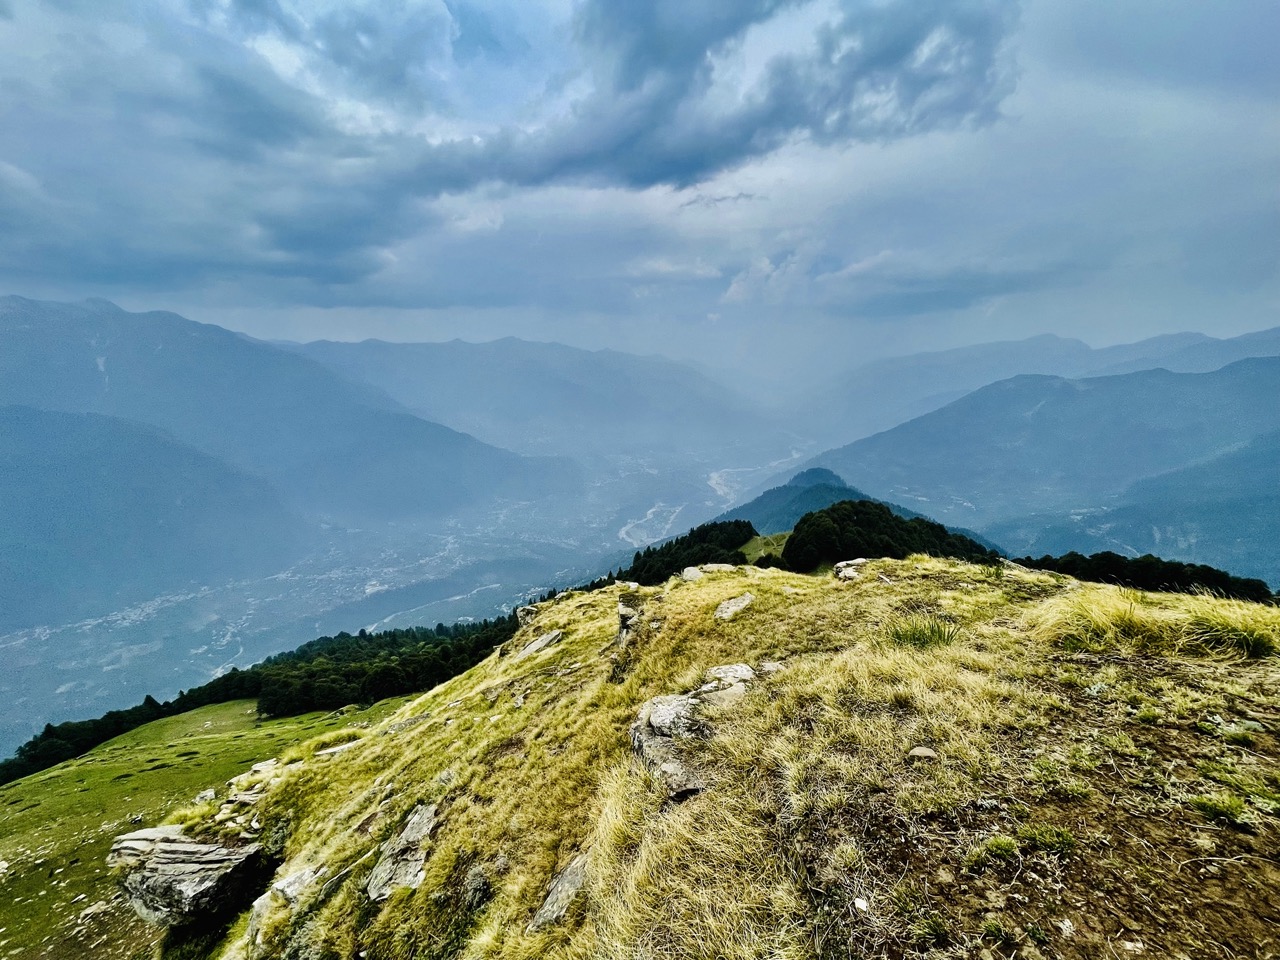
pixel 746 182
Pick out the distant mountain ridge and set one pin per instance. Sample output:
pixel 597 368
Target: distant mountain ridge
pixel 548 398
pixel 884 393
pixel 333 448
pixel 101 512
pixel 1038 443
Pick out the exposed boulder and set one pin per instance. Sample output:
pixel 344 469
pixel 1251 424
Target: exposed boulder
pixel 653 734
pixel 690 574
pixel 718 568
pixel 563 891
pixel 730 608
pixel 849 569
pixel 526 615
pixel 404 856
pixel 540 644
pixel 171 879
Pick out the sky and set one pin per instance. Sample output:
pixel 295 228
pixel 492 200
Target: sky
pixel 756 185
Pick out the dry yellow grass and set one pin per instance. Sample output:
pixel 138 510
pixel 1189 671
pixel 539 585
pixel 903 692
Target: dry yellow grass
pixel 817 835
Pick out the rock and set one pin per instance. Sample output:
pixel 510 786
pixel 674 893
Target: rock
pixel 626 614
pixel 563 891
pixel 536 646
pixel 628 586
pixel 4 867
pixel 732 673
pixel 770 666
pixel 730 608
pixel 283 893
pixel 724 696
pixel 476 889
pixel 652 738
pixel 526 615
pixel 206 796
pixel 717 567
pixel 330 751
pixel 171 879
pixel 848 569
pixel 690 574
pixel 264 766
pixel 403 856
pixel 918 754
pixel 671 716
pixel 407 724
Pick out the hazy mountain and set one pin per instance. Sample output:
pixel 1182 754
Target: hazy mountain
pixel 1210 354
pixel 777 509
pixel 885 393
pixel 332 447
pixel 888 392
pixel 552 399
pixel 99 512
pixel 1036 444
pixel 1225 513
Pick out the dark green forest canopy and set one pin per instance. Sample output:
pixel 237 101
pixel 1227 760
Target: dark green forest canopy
pixel 1149 572
pixel 866 528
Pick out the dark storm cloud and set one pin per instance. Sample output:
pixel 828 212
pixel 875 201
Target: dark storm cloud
pixel 319 196
pixel 858 165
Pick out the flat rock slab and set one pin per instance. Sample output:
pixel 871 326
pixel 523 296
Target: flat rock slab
pixel 731 608
pixel 560 896
pixel 732 673
pixel 405 855
pixel 172 879
pixel 537 646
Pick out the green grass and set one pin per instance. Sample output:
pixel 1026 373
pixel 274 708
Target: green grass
pixel 772 544
pixel 56 826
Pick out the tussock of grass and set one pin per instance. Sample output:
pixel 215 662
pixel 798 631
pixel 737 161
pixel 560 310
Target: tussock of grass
pixel 1102 619
pixel 922 631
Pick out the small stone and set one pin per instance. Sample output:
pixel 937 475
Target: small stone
pixel 861 904
pixel 725 695
pixel 690 574
pixel 563 891
pixel 730 608
pixel 206 796
pixel 732 673
pixel 770 666
pixel 921 753
pixel 537 646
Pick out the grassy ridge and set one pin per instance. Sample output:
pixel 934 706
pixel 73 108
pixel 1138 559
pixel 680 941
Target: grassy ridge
pixel 57 826
pixel 1089 781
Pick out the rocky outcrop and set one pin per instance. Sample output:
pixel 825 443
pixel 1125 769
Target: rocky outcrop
pixel 171 879
pixel 664 720
pixel 540 644
pixel 731 608
pixel 283 894
pixel 564 890
pixel 849 569
pixel 526 615
pixel 404 856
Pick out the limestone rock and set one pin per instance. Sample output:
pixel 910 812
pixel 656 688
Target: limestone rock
pixel 730 608
pixel 672 715
pixel 403 856
pixel 653 734
pixel 690 574
pixel 723 696
pixel 849 569
pixel 732 673
pixel 563 891
pixel 540 644
pixel 171 878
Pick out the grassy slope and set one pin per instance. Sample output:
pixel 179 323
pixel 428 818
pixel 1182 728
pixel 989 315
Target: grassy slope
pixel 56 827
pixel 1107 775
